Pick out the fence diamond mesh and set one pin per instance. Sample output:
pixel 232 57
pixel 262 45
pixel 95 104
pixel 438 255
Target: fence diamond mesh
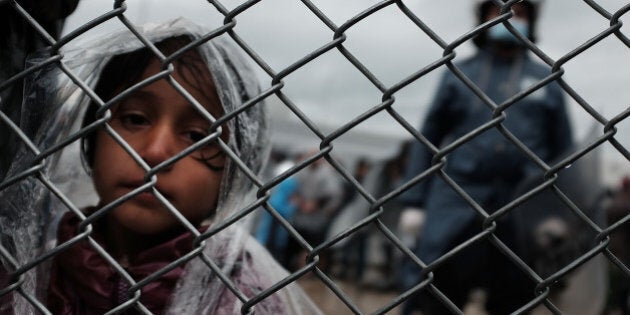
pixel 594 234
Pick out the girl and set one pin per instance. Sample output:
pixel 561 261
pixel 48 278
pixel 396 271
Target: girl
pixel 164 171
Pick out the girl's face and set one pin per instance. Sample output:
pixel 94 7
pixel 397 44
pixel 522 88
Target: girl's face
pixel 158 122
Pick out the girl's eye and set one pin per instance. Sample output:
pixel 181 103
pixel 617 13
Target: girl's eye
pixel 196 135
pixel 134 119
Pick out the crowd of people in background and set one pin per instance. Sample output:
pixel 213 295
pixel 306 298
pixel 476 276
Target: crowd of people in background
pixel 318 202
pixel 488 168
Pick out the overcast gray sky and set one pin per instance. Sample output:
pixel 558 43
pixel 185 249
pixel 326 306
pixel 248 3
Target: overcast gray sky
pixel 331 91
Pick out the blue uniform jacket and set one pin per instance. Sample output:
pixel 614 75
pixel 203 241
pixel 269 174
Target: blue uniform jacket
pixel 488 166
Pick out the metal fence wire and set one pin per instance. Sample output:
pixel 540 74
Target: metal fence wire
pixel 598 235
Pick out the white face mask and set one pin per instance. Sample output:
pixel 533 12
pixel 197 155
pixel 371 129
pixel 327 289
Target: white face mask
pixel 500 33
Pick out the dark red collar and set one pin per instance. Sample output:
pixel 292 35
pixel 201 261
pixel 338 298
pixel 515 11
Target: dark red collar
pixel 82 282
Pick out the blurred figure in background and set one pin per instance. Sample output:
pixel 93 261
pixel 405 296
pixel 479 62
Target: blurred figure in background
pixel 487 167
pixel 393 175
pixel 319 194
pixel 361 169
pixel 349 257
pixel 18 39
pixel 618 209
pixel 283 199
pixel 366 256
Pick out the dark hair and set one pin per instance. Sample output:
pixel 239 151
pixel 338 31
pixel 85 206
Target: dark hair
pixel 483 9
pixel 124 70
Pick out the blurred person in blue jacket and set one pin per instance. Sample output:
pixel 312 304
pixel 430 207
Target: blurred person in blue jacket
pixel 284 200
pixel 270 232
pixel 487 167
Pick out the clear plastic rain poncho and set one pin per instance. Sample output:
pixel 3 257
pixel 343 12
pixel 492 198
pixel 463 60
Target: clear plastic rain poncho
pixel 29 210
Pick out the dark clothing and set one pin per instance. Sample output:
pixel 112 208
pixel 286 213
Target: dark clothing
pixel 83 282
pixel 619 208
pixel 485 165
pixel 18 39
pixel 488 166
pixel 480 265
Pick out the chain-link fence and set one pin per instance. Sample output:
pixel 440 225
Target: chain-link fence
pixel 31 27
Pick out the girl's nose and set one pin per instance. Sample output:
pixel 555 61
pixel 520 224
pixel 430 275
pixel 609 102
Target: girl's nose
pixel 158 145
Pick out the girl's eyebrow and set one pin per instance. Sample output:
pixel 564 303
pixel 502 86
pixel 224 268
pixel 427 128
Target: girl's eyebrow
pixel 148 96
pixel 143 94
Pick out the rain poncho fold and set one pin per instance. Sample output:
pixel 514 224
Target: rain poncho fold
pixel 29 210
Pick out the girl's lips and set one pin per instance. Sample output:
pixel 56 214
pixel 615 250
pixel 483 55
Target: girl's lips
pixel 147 195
